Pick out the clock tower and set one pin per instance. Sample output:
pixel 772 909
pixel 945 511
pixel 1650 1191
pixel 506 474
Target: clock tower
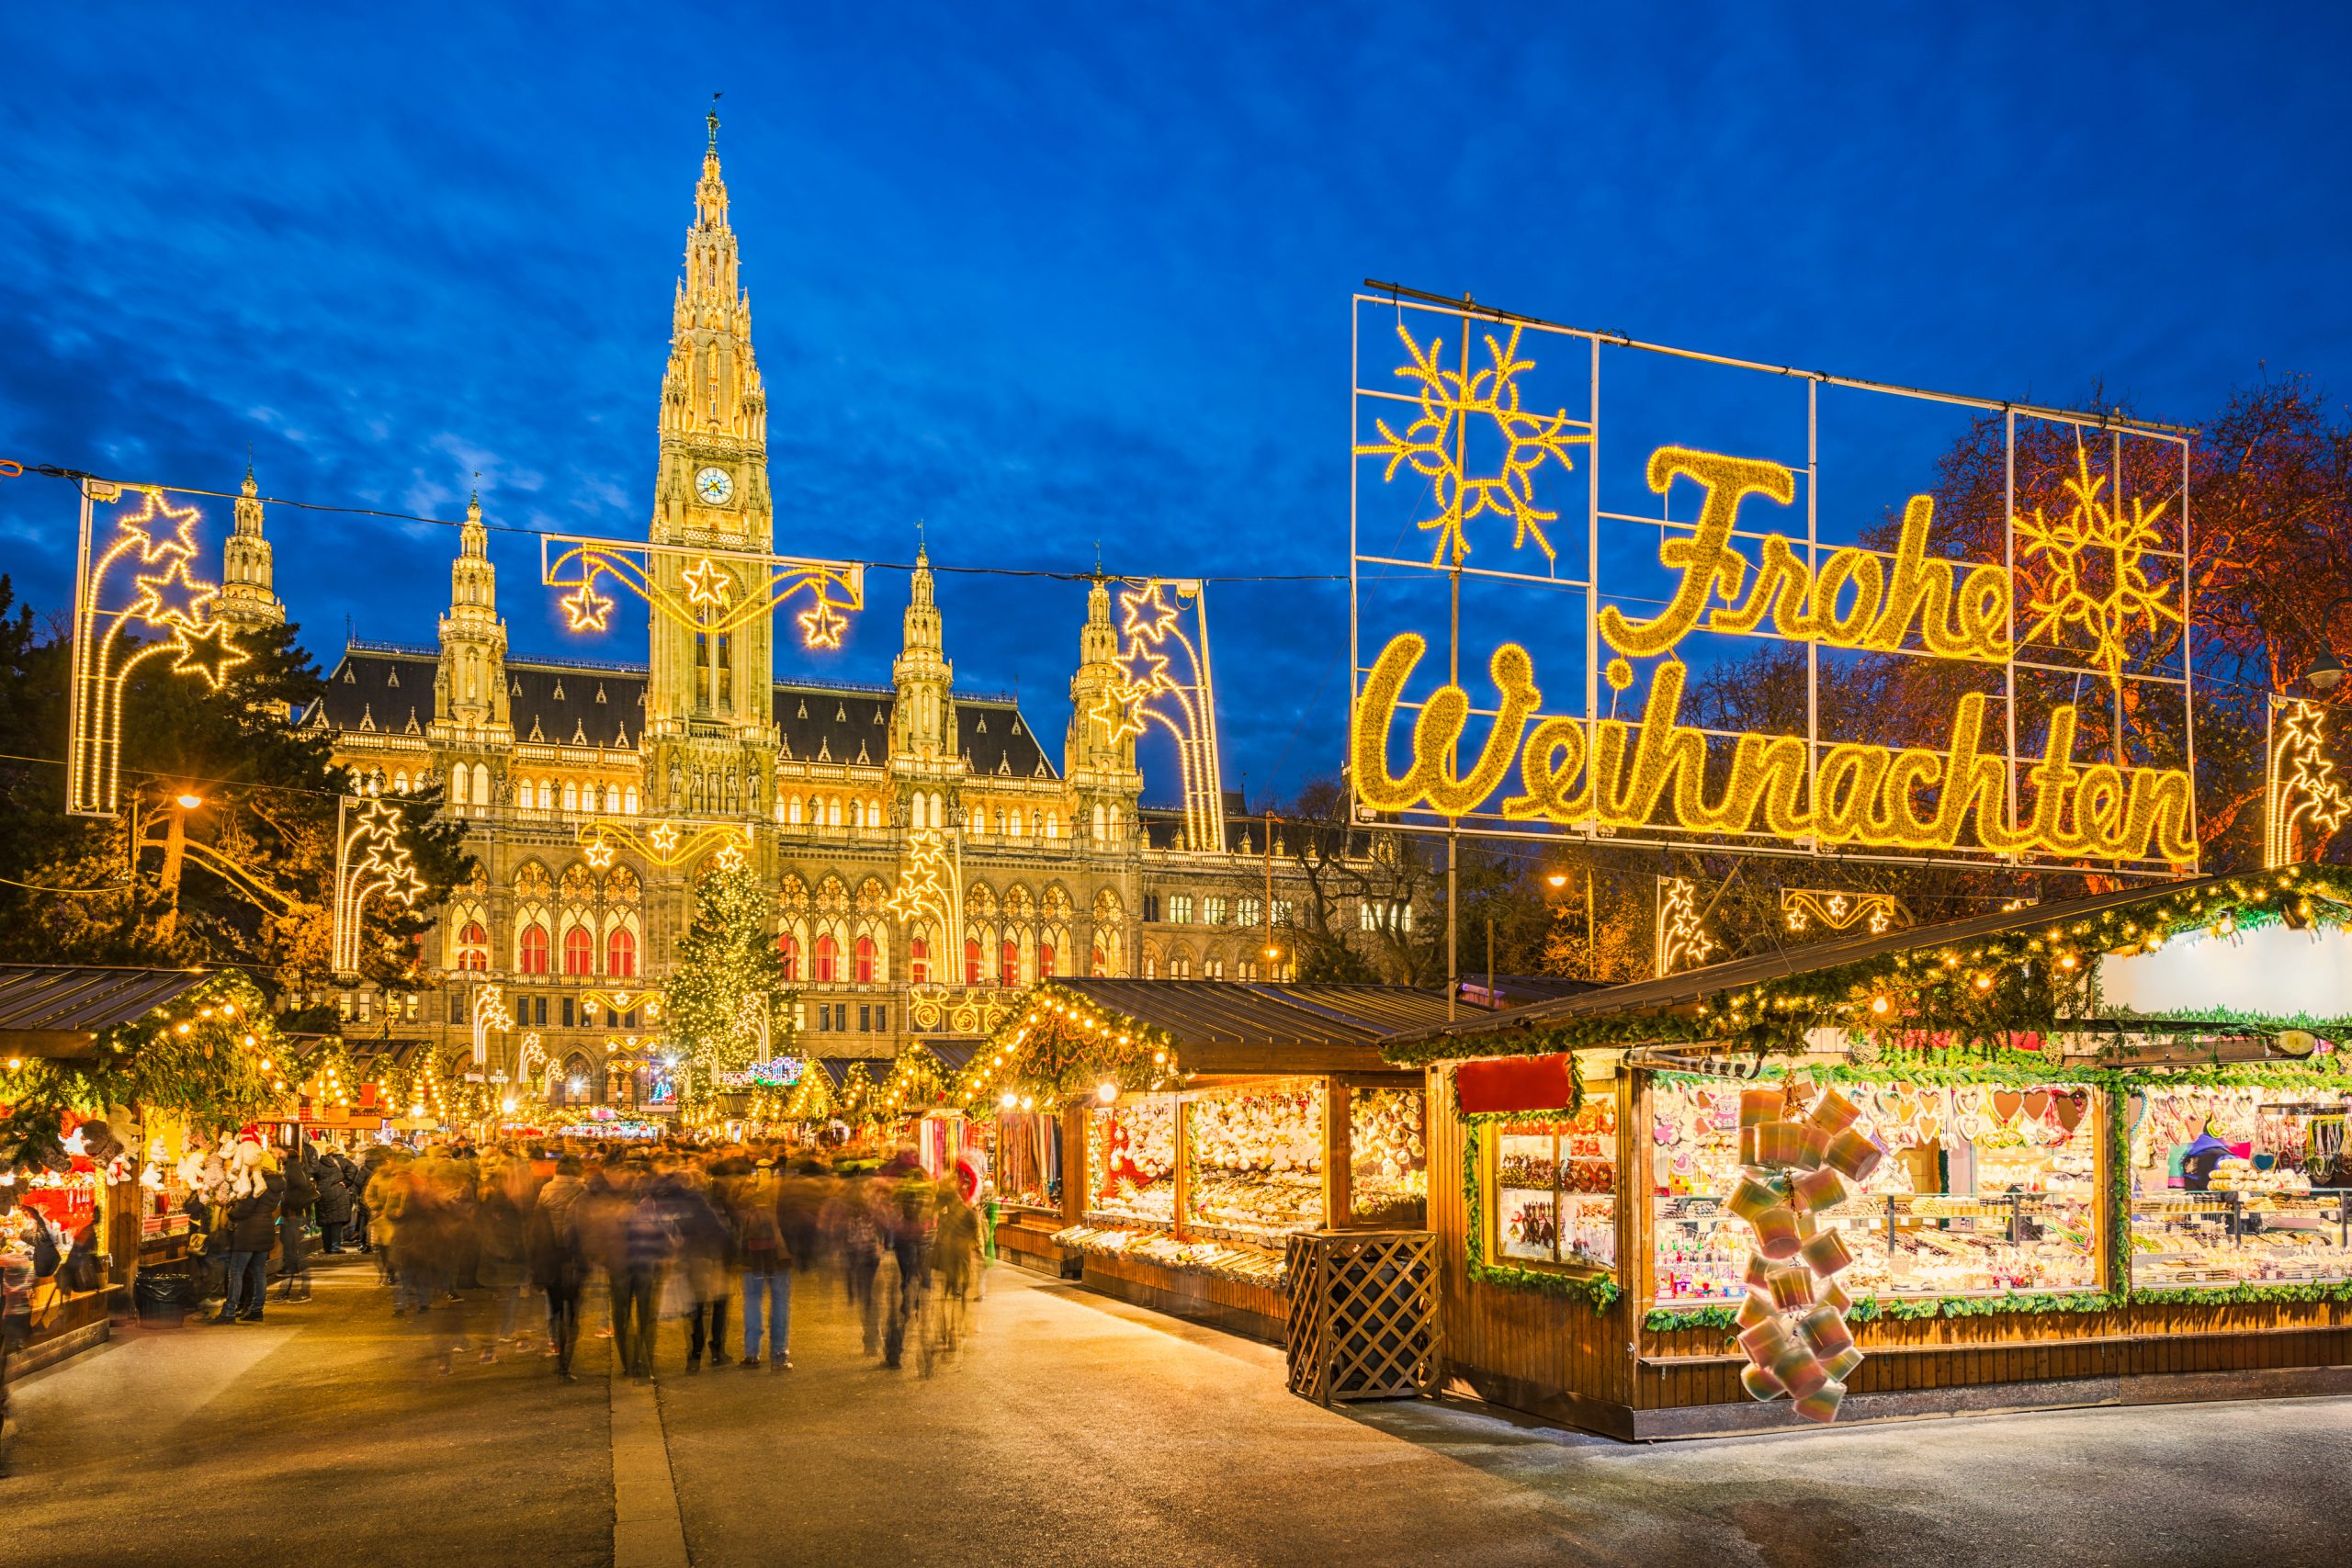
pixel 708 723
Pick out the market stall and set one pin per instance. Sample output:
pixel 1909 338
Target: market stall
pixel 2091 1153
pixel 1201 1124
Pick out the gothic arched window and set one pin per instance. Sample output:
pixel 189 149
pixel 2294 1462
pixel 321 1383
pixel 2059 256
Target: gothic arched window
pixel 620 953
pixel 579 951
pixel 473 946
pixel 972 962
pixel 481 784
pixel 864 970
pixel 828 959
pixel 787 951
pixel 1008 965
pixel 1045 961
pixel 919 962
pixel 533 950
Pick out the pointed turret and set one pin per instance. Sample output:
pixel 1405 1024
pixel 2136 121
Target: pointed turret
pixel 924 725
pixel 248 596
pixel 471 688
pixel 1099 747
pixel 712 385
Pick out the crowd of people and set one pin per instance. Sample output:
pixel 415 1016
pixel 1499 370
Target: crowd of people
pixel 709 1238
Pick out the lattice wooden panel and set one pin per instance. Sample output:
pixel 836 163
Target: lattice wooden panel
pixel 1363 1314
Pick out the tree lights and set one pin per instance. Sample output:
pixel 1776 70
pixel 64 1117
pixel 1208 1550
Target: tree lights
pixel 1062 1047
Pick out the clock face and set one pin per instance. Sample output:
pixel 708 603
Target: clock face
pixel 715 486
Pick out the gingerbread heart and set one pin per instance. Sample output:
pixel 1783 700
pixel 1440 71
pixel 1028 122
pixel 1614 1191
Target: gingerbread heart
pixel 2037 1103
pixel 2007 1103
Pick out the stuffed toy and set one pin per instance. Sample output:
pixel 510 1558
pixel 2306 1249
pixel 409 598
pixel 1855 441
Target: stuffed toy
pixel 245 1162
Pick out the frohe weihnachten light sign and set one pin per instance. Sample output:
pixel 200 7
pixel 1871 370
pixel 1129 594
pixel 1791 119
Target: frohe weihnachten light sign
pixel 2088 599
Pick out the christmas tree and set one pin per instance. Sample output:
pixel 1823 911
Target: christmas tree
pixel 727 1001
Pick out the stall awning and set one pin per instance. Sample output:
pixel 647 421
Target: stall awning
pixel 1502 1032
pixel 59 1010
pixel 1233 1027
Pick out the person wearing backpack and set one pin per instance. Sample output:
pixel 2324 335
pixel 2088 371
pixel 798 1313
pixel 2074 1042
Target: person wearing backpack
pixel 765 1263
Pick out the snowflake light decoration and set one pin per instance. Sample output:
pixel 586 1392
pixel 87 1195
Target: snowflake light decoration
pixel 2093 576
pixel 1435 445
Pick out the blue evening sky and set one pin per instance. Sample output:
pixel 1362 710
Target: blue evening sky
pixel 1053 274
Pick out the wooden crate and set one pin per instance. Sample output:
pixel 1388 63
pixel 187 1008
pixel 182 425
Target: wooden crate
pixel 1363 1321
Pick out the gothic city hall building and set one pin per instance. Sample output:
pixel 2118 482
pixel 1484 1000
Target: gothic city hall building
pixel 577 779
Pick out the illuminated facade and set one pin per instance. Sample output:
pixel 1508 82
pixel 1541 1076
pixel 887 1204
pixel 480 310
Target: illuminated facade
pixel 841 794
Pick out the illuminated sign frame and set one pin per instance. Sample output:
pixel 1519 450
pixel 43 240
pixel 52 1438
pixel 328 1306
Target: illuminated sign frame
pixel 1512 493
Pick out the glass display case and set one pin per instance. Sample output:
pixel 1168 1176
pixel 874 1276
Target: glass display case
pixel 1257 1162
pixel 2228 1238
pixel 1981 1190
pixel 1554 1196
pixel 1388 1176
pixel 1131 1159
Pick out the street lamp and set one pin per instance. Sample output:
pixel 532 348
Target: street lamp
pixel 189 801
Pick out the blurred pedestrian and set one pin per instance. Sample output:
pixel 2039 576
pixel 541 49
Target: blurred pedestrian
pixel 853 1230
pixel 498 1246
pixel 649 1243
pixel 911 1216
pixel 558 1265
pixel 294 1220
pixel 764 1265
pixel 705 1262
pixel 254 1221
pixel 334 1202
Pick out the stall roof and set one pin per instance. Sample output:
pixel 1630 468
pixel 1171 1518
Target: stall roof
pixel 837 1069
pixel 1226 1026
pixel 1690 986
pixel 60 1008
pixel 952 1053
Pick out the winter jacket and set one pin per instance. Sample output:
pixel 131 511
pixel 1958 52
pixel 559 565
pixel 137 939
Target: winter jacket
pixel 301 1190
pixel 334 1192
pixel 551 1236
pixel 253 1222
pixel 498 1229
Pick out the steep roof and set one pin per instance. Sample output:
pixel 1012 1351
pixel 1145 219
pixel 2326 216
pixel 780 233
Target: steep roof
pixel 386 688
pixel 65 1005
pixel 1237 1027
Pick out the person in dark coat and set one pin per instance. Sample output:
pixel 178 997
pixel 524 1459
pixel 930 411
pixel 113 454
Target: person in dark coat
pixel 551 1240
pixel 334 1203
pixel 301 1196
pixel 355 1182
pixel 253 1230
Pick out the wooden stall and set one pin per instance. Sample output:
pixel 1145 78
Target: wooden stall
pixel 2144 1201
pixel 1198 1125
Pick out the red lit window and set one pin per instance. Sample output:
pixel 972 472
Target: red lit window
pixel 1045 961
pixel 620 953
pixel 1008 970
pixel 473 946
pixel 972 962
pixel 828 960
pixel 1100 966
pixel 864 970
pixel 534 949
pixel 579 951
pixel 919 961
pixel 788 950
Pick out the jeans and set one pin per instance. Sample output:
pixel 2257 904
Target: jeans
pixel 244 1268
pixel 716 1311
pixel 330 1236
pixel 564 1321
pixel 778 1286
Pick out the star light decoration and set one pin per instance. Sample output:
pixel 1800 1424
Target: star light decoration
pixel 1436 444
pixel 489 1014
pixel 2093 580
pixel 707 597
pixel 1148 688
pixel 599 853
pixel 169 599
pixel 1807 909
pixel 2304 789
pixel 663 845
pixel 369 860
pixel 927 888
pixel 1682 939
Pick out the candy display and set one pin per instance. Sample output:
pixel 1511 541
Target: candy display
pixel 1257 1161
pixel 2024 1217
pixel 1555 1186
pixel 2226 1238
pixel 1388 1177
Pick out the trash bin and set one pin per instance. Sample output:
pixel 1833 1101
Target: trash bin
pixel 162 1299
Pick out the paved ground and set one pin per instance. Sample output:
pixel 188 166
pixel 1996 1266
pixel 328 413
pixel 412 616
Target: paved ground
pixel 1070 1430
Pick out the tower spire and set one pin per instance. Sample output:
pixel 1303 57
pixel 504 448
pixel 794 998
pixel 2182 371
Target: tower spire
pixel 248 594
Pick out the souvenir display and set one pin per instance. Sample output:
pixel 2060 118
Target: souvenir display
pixel 1131 1159
pixel 1388 1178
pixel 1224 1261
pixel 1555 1188
pixel 1257 1161
pixel 1797 1344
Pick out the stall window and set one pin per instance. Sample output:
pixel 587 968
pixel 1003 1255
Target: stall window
pixel 2236 1184
pixel 1131 1159
pixel 1555 1189
pixel 1257 1161
pixel 1388 1172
